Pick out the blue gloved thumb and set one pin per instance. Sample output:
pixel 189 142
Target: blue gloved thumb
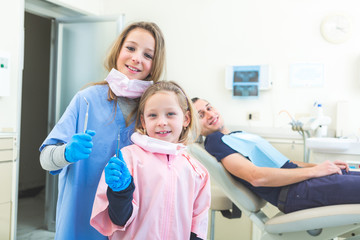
pixel 117 175
pixel 79 147
pixel 90 132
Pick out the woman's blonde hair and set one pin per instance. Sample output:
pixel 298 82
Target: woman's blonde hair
pixel 158 61
pixel 188 134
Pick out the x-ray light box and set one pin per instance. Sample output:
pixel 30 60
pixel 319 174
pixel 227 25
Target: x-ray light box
pixel 248 76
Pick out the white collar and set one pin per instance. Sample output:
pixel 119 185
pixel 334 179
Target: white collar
pixel 155 145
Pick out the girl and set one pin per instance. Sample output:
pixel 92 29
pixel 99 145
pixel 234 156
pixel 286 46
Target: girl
pixel 154 189
pixel 79 156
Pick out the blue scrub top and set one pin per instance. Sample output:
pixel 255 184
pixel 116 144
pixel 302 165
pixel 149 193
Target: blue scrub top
pixel 78 182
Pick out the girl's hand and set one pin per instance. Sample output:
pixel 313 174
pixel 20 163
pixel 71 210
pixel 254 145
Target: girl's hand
pixel 117 175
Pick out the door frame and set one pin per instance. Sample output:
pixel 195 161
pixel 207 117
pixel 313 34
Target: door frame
pixel 54 110
pixel 50 11
pixel 58 15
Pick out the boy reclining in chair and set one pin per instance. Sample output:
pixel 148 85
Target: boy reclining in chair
pixel 288 185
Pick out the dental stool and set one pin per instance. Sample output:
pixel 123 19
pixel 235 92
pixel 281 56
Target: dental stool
pixel 320 223
pixel 220 202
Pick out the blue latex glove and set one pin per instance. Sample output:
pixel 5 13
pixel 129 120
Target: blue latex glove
pixel 117 175
pixel 79 147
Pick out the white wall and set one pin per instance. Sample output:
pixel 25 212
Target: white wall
pixel 11 25
pixel 203 36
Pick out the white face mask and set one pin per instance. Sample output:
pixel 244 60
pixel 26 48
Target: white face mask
pixel 122 86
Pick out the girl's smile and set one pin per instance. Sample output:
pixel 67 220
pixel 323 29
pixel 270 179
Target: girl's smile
pixel 163 118
pixel 136 54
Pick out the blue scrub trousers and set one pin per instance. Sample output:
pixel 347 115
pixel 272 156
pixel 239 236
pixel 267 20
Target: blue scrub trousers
pixel 323 191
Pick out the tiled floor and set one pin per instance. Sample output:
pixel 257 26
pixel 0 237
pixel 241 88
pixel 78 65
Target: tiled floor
pixel 30 225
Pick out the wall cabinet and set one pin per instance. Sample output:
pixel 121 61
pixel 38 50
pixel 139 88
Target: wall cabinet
pixel 7 185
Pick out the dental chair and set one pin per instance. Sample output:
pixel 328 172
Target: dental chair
pixel 316 223
pixel 220 202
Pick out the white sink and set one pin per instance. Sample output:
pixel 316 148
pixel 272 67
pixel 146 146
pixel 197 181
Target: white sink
pixel 334 145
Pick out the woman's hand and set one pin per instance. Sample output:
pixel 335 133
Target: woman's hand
pixel 79 147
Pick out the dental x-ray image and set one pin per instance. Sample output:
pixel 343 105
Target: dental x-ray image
pixel 246 76
pixel 246 81
pixel 246 91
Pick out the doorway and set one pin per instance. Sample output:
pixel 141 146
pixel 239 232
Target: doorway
pixel 48 31
pixel 34 121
